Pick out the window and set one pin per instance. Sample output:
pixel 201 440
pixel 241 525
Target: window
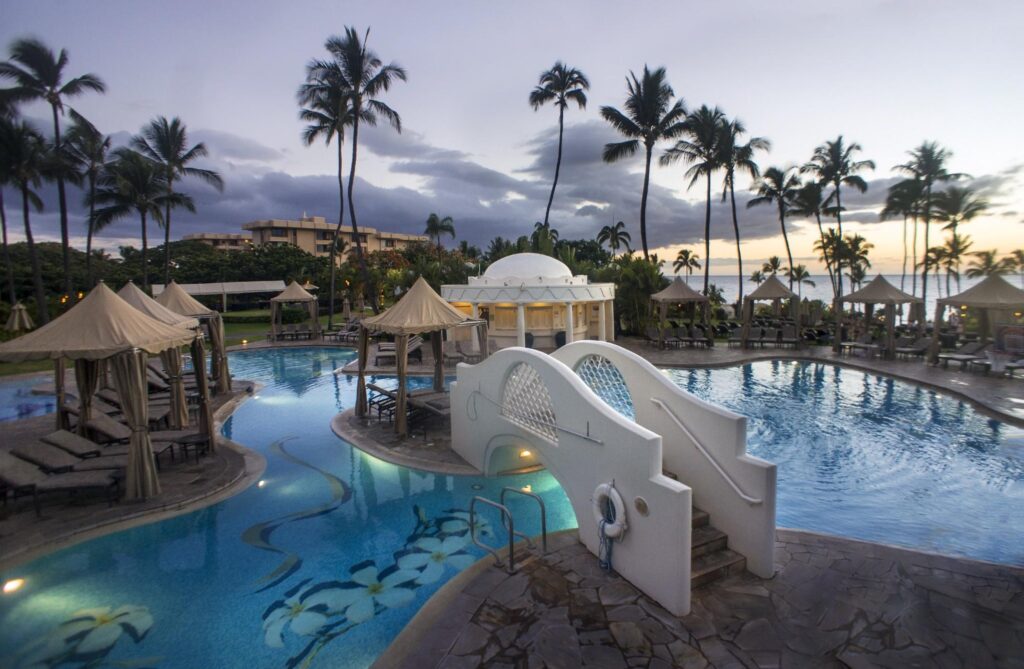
pixel 389 243
pixel 324 235
pixel 278 232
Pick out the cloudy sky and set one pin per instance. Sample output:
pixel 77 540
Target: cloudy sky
pixel 887 74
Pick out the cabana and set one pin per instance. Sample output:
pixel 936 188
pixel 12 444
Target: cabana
pixel 176 299
pixel 770 289
pixel 679 293
pixel 19 319
pixel 420 310
pixel 103 327
pixel 294 294
pixel 171 358
pixel 879 291
pixel 993 294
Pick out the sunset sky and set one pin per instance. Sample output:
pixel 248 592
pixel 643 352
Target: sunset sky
pixel 885 74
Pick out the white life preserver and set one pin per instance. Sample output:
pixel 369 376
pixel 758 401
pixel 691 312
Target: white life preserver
pixel 602 494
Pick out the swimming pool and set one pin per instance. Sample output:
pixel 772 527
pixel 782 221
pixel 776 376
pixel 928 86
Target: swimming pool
pixel 17 400
pixel 262 579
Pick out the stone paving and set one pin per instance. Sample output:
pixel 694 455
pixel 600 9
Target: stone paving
pixel 832 603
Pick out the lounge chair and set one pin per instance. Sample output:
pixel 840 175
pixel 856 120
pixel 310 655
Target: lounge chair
pixel 789 337
pixel 736 337
pixel 769 336
pixel 676 337
pixel 415 349
pixel 73 444
pixel 469 356
pixel 699 336
pixel 862 343
pixel 915 350
pixel 102 424
pixel 53 460
pixel 21 479
pixel 653 336
pixel 451 353
pixel 967 352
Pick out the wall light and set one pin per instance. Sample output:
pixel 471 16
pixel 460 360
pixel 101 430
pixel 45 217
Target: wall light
pixel 527 488
pixel 13 585
pixel 244 342
pixel 525 453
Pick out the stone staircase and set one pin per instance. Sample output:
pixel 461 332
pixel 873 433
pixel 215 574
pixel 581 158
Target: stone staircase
pixel 710 557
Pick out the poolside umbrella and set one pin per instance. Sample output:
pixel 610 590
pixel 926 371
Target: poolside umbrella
pixel 19 319
pixel 880 291
pixel 770 289
pixel 104 327
pixel 176 299
pixel 994 293
pixel 677 292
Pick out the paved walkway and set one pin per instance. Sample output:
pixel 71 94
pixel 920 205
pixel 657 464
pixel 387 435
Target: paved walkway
pixel 832 603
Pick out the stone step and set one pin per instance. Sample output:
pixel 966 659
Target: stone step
pixel 699 518
pixel 713 566
pixel 707 539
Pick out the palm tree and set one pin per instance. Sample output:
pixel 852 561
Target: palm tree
pixel 833 165
pixel 810 202
pixel 758 277
pixel 615 236
pixel 437 226
pixel 166 143
pixel 779 187
pixel 904 199
pixel 544 238
pixel 957 246
pixel 1018 260
pixel 366 77
pixel 651 116
pixel 986 264
pixel 5 178
pixel 702 153
pixel 855 251
pixel 734 156
pixel 135 183
pixel 561 84
pixel 933 259
pixel 38 74
pixel 686 260
pixel 773 266
pixel 957 206
pixel 800 275
pixel 86 148
pixel 23 154
pixel 328 111
pixel 831 248
pixel 927 165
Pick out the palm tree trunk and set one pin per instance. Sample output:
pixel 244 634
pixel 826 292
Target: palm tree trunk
pixel 924 271
pixel 839 259
pixel 903 277
pixel 63 202
pixel 739 254
pixel 913 253
pixel 42 310
pixel 12 295
pixel 707 239
pixel 167 234
pixel 643 202
pixel 824 253
pixel 558 164
pixel 367 282
pixel 145 253
pixel 337 233
pixel 785 237
pixel 89 230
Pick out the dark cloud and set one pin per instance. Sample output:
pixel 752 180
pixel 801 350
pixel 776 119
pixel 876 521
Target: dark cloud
pixel 227 146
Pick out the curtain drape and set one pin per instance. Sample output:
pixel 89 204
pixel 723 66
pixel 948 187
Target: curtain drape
pixel 178 417
pixel 218 358
pixel 275 319
pixel 87 378
pixel 141 481
pixel 402 362
pixel 364 351
pixel 205 411
pixel 58 391
pixel 436 345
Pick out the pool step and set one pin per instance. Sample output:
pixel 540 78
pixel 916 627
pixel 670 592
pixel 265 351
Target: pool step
pixel 710 557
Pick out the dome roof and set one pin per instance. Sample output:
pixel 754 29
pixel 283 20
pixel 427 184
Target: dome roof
pixel 528 266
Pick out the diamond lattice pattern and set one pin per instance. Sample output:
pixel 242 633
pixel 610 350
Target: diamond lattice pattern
pixel 526 402
pixel 605 379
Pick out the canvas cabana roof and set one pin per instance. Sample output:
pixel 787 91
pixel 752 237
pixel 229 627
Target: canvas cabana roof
pixel 225 287
pixel 994 292
pixel 420 310
pixel 771 289
pixel 293 293
pixel 19 319
pixel 176 299
pixel 678 291
pixel 880 291
pixel 136 297
pixel 100 326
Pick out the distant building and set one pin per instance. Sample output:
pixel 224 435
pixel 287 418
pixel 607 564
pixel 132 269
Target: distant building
pixel 222 240
pixel 313 234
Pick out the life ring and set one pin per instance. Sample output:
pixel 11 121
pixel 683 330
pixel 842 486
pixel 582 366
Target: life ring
pixel 604 493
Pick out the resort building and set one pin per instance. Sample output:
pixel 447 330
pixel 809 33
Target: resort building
pixel 222 240
pixel 529 299
pixel 313 234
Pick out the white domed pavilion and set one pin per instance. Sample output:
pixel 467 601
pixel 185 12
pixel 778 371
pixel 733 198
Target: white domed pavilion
pixel 530 293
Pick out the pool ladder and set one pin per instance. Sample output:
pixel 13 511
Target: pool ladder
pixel 508 522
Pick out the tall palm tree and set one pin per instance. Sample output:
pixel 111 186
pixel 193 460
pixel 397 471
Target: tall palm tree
pixel 830 248
pixel 800 275
pixel 38 74
pixel 86 148
pixel 6 122
pixel 809 202
pixel 773 266
pixel 757 277
pixel 933 260
pixel 650 117
pixel 986 264
pixel 927 165
pixel 134 183
pixel 561 84
pixel 166 143
pixel 367 77
pixel 957 206
pixel 701 151
pixel 779 187
pixel 23 154
pixel 957 246
pixel 328 111
pixel 615 236
pixel 855 252
pixel 544 238
pixel 734 156
pixel 833 165
pixel 437 226
pixel 686 260
pixel 904 199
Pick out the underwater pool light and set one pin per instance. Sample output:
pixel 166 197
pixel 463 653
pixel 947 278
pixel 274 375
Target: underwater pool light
pixel 261 483
pixel 525 453
pixel 13 585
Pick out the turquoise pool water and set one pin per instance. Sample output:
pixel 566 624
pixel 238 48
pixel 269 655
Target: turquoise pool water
pixel 17 400
pixel 324 563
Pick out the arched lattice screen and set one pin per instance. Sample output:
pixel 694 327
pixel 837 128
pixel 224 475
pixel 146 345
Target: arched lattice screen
pixel 605 379
pixel 527 402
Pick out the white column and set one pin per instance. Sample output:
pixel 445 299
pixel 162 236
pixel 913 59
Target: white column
pixel 520 325
pixel 602 331
pixel 568 323
pixel 475 344
pixel 610 320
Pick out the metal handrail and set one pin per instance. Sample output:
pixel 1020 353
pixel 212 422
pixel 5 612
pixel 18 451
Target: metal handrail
pixel 505 513
pixel 530 419
pixel 753 501
pixel 543 515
